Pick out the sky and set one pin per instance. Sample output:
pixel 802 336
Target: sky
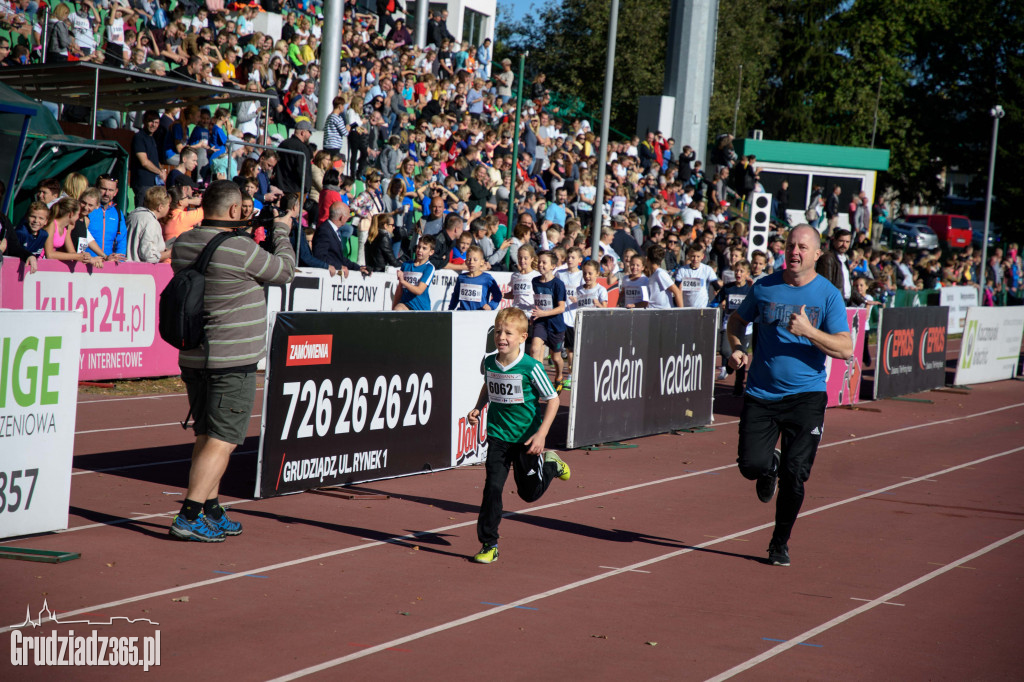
pixel 519 7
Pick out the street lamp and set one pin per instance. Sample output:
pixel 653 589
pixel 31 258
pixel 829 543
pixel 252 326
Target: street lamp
pixel 996 113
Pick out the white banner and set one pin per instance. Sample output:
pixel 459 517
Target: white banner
pixel 958 300
pixel 39 354
pixel 990 349
pixel 472 338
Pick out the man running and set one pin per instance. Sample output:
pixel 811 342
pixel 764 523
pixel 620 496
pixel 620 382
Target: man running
pixel 802 320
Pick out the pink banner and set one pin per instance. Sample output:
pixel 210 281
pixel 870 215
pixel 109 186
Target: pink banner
pixel 844 375
pixel 119 302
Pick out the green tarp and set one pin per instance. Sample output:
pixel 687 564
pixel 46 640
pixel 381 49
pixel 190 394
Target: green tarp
pixel 49 153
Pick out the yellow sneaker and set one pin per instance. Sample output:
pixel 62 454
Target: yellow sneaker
pixel 563 468
pixel 486 555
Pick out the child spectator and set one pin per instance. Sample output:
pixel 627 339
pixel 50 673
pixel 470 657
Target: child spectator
pixel 590 294
pixel 729 299
pixel 758 265
pixel 572 278
pixel 475 289
pixel 636 292
pixel 414 279
pixel 548 327
pixel 516 431
pixel 522 280
pixel 694 277
pixel 458 253
pixel 32 233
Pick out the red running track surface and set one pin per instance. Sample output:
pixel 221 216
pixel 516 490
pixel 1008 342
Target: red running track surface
pixel 647 564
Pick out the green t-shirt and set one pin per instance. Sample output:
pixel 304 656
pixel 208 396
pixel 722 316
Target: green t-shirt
pixel 513 392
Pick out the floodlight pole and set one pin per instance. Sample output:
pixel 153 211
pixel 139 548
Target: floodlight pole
pixel 515 146
pixel 606 114
pixel 996 113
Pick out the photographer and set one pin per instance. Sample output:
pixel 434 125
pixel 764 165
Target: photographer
pixel 220 375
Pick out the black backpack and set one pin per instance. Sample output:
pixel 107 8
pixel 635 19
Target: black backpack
pixel 182 318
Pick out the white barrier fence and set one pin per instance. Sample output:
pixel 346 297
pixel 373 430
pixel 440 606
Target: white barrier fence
pixel 39 354
pixel 990 349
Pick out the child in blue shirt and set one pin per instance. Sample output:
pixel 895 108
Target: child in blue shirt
pixel 475 289
pixel 414 279
pixel 547 326
pixel 33 234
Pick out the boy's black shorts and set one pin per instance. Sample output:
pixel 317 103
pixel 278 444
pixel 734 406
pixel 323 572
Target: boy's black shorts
pixel 551 338
pixel 570 338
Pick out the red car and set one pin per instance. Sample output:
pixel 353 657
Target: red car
pixel 954 231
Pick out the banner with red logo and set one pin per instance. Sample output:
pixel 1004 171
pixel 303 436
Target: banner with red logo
pixel 843 376
pixel 472 338
pixel 911 351
pixel 355 397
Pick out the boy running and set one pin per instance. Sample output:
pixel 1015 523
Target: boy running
pixel 414 279
pixel 572 278
pixel 516 429
pixel 729 299
pixel 548 327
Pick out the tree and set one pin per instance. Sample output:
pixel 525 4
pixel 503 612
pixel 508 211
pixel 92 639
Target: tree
pixel 568 42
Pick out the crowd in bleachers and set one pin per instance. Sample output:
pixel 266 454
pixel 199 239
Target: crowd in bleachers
pixel 418 143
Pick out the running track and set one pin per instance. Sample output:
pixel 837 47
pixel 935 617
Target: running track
pixel 647 564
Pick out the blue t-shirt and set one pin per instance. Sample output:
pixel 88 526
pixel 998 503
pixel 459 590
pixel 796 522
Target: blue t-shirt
pixel 34 244
pixel 414 274
pixel 547 296
pixel 556 214
pixel 473 293
pixel 784 364
pixel 108 229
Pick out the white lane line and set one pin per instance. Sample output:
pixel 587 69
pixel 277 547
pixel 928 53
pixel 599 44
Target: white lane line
pixel 617 568
pixel 134 397
pixel 887 603
pixel 839 620
pixel 498 609
pixel 149 464
pixel 918 426
pixel 142 426
pixel 603 576
pixel 596 495
pixel 139 397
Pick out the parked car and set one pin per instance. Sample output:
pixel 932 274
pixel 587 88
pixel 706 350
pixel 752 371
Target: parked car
pixel 977 234
pixel 954 231
pixel 914 235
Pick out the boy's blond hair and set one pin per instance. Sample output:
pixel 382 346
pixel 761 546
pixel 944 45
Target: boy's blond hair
pixel 512 317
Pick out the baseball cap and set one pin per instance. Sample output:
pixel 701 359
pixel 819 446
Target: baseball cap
pixel 303 125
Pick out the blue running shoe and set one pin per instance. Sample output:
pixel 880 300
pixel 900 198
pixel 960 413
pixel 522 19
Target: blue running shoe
pixel 197 531
pixel 224 524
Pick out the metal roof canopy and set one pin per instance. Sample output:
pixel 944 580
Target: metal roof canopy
pixel 83 84
pixel 861 158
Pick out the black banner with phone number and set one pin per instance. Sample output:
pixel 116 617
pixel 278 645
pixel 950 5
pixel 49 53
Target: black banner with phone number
pixel 355 397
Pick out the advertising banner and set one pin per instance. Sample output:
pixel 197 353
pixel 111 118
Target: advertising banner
pixel 991 345
pixel 958 300
pixel 472 338
pixel 911 355
pixel 639 372
pixel 39 356
pixel 351 398
pixel 843 376
pixel 117 307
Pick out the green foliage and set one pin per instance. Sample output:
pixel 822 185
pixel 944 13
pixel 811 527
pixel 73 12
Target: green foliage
pixel 568 42
pixel 815 71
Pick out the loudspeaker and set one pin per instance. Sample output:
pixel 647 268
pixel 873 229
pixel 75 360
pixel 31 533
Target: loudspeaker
pixel 760 223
